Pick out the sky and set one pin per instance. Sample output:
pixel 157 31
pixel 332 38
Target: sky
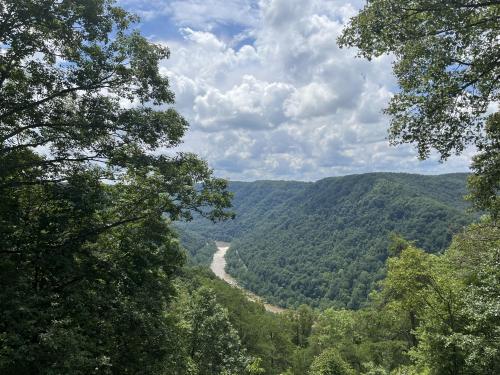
pixel 270 95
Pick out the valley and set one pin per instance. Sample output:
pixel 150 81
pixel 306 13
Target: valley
pixel 128 245
pixel 356 270
pixel 324 243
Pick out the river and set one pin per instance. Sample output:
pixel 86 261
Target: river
pixel 218 267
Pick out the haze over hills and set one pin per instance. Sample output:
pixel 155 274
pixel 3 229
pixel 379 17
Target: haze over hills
pixel 325 243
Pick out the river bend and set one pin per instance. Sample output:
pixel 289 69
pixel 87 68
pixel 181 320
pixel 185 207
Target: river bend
pixel 218 267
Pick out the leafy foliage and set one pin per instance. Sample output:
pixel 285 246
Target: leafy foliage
pixel 433 314
pixel 87 257
pixel 329 363
pixel 214 344
pixel 266 337
pixel 447 63
pixel 484 185
pixel 459 331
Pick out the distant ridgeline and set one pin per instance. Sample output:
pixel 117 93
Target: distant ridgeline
pixel 325 243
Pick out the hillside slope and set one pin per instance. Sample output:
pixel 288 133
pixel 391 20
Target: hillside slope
pixel 252 201
pixel 325 243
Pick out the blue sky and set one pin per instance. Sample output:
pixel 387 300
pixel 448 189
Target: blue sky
pixel 268 93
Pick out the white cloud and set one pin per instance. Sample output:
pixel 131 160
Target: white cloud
pixel 278 98
pixel 314 99
pixel 252 104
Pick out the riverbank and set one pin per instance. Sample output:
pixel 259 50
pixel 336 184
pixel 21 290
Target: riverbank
pixel 218 267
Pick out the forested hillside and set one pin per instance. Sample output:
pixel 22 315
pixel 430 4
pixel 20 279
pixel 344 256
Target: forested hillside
pixel 325 243
pixel 433 314
pixel 252 201
pixel 97 200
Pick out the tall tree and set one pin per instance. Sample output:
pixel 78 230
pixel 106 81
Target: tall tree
pixel 424 289
pixel 215 347
pixel 451 302
pixel 86 255
pixel 301 322
pixel 79 84
pixel 485 183
pixel 447 63
pixel 330 363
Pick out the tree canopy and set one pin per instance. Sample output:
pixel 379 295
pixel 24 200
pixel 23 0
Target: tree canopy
pixel 447 63
pixel 88 188
pixel 82 88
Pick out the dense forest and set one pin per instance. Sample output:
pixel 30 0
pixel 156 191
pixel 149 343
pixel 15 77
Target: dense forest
pixel 382 274
pixel 251 202
pixel 325 243
pixel 430 314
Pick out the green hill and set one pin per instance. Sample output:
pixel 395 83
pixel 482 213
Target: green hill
pixel 252 201
pixel 325 243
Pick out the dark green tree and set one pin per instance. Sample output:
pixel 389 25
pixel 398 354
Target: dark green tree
pixel 301 321
pixel 484 185
pixel 86 254
pixel 79 84
pixel 214 345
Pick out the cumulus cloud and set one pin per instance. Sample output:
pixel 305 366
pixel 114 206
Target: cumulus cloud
pixel 270 95
pixel 252 104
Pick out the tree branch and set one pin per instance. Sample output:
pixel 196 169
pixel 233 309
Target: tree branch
pixel 102 84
